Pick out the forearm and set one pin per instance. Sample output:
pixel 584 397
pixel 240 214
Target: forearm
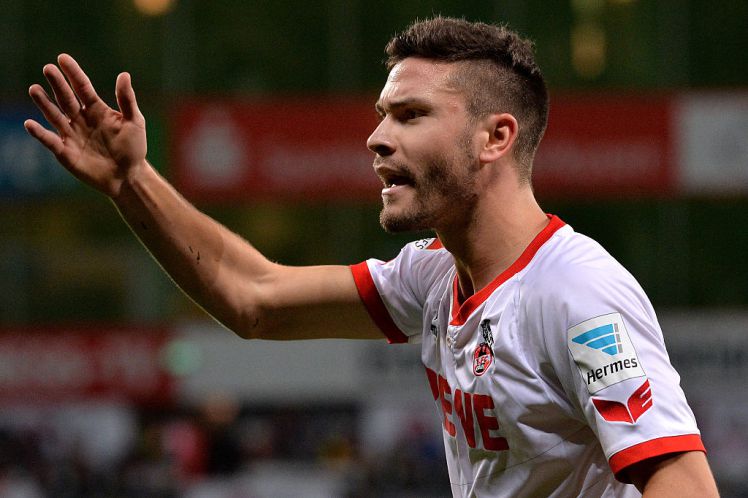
pixel 197 252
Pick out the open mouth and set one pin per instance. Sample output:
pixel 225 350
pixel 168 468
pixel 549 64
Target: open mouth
pixel 396 180
pixel 393 176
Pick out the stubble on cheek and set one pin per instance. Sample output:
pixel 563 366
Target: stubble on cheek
pixel 438 193
pixel 445 191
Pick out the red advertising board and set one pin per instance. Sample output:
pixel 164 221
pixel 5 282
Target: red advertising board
pixel 289 149
pixel 595 145
pixel 607 145
pixel 38 366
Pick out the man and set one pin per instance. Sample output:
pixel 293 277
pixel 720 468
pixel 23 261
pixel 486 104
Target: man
pixel 544 357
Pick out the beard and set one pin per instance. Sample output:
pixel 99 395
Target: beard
pixel 445 190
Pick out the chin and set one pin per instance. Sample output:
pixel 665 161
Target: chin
pixel 402 222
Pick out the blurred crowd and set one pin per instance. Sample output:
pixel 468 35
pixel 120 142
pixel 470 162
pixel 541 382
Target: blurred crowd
pixel 216 450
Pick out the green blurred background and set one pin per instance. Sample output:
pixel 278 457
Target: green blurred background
pixel 67 257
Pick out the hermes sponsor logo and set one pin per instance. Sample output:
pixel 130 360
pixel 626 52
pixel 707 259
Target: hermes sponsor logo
pixel 612 368
pixel 603 352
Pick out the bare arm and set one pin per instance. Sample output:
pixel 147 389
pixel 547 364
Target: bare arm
pixel 679 475
pixel 231 279
pixel 223 273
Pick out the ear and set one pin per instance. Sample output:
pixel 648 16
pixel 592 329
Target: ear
pixel 502 132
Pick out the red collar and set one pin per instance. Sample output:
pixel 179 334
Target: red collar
pixel 460 312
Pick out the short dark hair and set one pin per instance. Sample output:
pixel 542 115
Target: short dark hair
pixel 499 72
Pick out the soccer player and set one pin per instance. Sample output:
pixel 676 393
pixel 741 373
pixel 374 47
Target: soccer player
pixel 544 357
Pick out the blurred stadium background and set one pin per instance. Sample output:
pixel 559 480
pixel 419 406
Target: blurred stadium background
pixel 114 384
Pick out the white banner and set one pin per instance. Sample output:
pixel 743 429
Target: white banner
pixel 712 142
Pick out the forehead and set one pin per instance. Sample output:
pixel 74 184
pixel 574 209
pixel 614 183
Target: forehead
pixel 420 79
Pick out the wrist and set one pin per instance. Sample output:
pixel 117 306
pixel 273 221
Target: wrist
pixel 133 182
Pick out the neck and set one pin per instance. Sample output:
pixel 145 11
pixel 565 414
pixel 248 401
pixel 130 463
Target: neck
pixel 502 226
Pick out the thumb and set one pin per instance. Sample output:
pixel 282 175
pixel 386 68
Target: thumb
pixel 126 98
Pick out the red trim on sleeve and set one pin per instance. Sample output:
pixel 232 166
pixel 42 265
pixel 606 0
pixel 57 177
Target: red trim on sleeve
pixel 653 448
pixel 374 304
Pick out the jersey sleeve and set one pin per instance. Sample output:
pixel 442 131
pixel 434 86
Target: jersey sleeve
pixel 394 292
pixel 604 342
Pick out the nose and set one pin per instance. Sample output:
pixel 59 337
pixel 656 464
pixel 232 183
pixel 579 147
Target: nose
pixel 380 141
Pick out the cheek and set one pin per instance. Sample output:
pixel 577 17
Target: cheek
pixel 438 175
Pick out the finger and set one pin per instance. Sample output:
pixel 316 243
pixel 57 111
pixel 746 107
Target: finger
pixel 50 140
pixel 51 112
pixel 126 101
pixel 78 80
pixel 66 99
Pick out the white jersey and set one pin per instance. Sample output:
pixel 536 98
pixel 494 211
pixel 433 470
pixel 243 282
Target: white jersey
pixel 551 380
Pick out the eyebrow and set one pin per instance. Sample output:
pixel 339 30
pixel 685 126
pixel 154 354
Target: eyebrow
pixel 398 104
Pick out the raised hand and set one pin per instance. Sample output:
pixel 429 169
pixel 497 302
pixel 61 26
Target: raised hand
pixel 97 144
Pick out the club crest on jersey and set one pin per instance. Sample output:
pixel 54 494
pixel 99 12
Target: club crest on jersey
pixel 603 352
pixel 483 354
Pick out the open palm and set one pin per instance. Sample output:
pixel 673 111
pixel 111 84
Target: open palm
pixel 97 144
